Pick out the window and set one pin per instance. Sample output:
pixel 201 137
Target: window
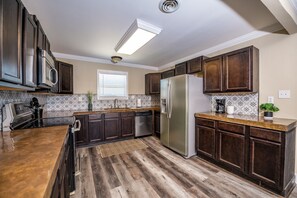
pixel 112 85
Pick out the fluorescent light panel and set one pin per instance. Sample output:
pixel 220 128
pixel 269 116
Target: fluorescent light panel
pixel 139 33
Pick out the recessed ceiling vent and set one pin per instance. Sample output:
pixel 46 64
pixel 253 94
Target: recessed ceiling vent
pixel 168 6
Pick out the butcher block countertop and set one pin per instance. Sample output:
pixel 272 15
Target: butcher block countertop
pixel 95 111
pixel 29 160
pixel 279 124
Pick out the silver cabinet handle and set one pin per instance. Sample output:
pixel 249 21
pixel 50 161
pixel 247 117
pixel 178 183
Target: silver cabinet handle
pixel 77 128
pixel 56 76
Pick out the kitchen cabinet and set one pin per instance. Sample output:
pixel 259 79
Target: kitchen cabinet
pixel 213 75
pixel 40 35
pixel 231 145
pixel 152 83
pixel 112 126
pixel 128 124
pixel 236 71
pixel 81 136
pixel 181 68
pixel 195 65
pixel 95 128
pixel 29 50
pixel 65 77
pixel 11 19
pixel 168 74
pixel 157 123
pixel 264 156
pixel 241 70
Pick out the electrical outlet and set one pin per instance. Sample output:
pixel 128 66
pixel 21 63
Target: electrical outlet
pixel 270 99
pixel 284 94
pixel 80 99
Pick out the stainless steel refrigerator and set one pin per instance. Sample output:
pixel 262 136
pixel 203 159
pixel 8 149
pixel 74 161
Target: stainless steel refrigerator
pixel 181 97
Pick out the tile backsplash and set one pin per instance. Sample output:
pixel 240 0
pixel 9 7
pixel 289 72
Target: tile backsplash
pixel 244 103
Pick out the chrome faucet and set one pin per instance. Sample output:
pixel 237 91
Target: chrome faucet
pixel 115 105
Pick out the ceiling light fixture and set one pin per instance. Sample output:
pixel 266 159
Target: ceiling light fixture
pixel 139 33
pixel 116 59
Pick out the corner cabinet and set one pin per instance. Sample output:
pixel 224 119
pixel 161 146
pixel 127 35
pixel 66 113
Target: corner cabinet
pixel 11 20
pixel 264 156
pixel 236 71
pixel 152 83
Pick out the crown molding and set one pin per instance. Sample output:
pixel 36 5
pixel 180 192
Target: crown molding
pixel 230 43
pixel 103 61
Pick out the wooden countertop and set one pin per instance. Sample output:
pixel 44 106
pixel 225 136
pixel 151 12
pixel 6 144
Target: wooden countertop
pixel 29 159
pixel 279 124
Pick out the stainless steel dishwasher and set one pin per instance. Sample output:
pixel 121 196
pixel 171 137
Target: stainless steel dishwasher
pixel 143 123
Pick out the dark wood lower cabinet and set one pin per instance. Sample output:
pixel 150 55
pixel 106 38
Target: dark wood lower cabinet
pixel 266 157
pixel 96 131
pixel 127 124
pixel 205 141
pixel 157 123
pixel 81 136
pixel 112 126
pixel 265 161
pixel 231 149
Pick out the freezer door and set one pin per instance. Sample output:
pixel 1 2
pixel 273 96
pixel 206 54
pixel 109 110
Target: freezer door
pixel 164 121
pixel 178 114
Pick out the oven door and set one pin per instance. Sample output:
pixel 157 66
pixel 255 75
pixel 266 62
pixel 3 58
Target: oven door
pixel 48 75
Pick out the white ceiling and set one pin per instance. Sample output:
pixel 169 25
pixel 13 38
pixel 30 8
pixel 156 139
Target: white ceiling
pixel 92 28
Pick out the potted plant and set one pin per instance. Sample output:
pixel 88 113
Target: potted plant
pixel 268 109
pixel 90 100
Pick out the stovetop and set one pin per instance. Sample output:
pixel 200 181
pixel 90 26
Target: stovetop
pixel 48 122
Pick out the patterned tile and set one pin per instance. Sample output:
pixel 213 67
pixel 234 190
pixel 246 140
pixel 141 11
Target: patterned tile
pixel 243 103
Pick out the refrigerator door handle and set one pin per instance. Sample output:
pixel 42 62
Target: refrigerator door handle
pixel 169 99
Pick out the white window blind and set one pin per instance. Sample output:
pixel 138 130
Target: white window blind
pixel 112 84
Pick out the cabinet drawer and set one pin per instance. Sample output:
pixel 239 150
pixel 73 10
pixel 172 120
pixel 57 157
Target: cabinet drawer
pixel 127 114
pixel 205 122
pixel 95 116
pixel 112 115
pixel 236 128
pixel 265 134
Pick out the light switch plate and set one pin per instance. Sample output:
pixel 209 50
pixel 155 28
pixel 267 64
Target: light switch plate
pixel 270 99
pixel 284 94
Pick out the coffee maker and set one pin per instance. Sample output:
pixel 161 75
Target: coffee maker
pixel 220 108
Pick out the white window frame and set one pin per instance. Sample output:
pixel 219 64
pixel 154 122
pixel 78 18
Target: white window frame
pixel 112 97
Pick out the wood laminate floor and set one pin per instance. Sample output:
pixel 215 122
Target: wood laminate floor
pixel 158 172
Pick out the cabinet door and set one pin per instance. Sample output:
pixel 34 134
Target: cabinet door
pixel 65 78
pixel 40 36
pixel 128 126
pixel 181 68
pixel 112 128
pixel 168 73
pixel 11 41
pixel 157 123
pixel 56 189
pixel 81 137
pixel 238 70
pixel 212 75
pixel 265 161
pixel 195 65
pixel 152 83
pixel 29 50
pixel 205 141
pixel 231 149
pixel 96 131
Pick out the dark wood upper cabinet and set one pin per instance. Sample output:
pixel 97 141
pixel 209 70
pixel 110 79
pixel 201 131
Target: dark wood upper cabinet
pixel 168 74
pixel 81 136
pixel 40 35
pixel 29 50
pixel 152 83
pixel 127 124
pixel 236 71
pixel 241 69
pixel 112 126
pixel 96 128
pixel 181 68
pixel 195 65
pixel 65 75
pixel 212 75
pixel 11 19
